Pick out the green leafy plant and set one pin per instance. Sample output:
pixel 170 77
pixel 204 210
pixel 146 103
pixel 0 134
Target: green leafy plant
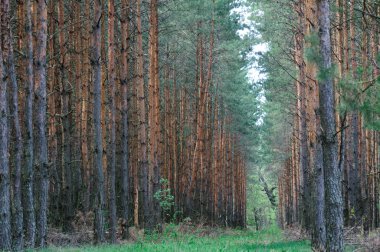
pixel 165 197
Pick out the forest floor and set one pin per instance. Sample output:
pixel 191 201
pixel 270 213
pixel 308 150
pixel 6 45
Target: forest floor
pixel 200 238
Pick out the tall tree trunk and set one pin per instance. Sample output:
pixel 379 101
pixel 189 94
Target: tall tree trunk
pixel 364 133
pixel 319 232
pixel 304 151
pixel 143 157
pixel 354 179
pixel 68 208
pixel 77 171
pixel 29 212
pixel 53 98
pixel 17 215
pixel 134 150
pixel 196 162
pixel 84 116
pixel 112 145
pixel 5 204
pixel 154 110
pixel 98 159
pixel 124 96
pixel 315 160
pixel 41 141
pixel 14 130
pixel 333 194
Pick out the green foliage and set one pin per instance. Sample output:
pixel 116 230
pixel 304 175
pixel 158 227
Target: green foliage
pixel 260 213
pixel 361 97
pixel 370 105
pixel 314 56
pixel 312 50
pixel 230 85
pixel 326 73
pixel 164 196
pixel 205 239
pixel 272 134
pixel 350 90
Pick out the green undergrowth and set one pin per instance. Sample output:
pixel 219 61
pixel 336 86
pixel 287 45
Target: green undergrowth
pixel 192 238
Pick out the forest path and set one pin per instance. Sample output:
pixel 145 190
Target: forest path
pixel 195 238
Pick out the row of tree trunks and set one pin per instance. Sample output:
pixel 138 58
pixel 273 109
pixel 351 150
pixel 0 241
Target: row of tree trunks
pixel 357 142
pixel 8 66
pixel 80 123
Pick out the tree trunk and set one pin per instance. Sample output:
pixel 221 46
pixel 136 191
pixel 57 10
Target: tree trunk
pixel 304 151
pixel 143 158
pixel 29 214
pixel 98 160
pixel 5 204
pixel 333 194
pixel 319 232
pixel 112 145
pixel 364 132
pixel 124 96
pixel 154 111
pixel 86 170
pixel 41 141
pixel 15 130
pixel 17 215
pixel 354 179
pixel 68 208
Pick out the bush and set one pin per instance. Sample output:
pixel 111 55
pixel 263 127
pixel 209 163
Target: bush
pixel 165 198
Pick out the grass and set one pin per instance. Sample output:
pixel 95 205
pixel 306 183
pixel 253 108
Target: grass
pixel 203 239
